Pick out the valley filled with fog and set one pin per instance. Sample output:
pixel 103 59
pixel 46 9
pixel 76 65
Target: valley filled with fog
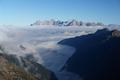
pixel 40 44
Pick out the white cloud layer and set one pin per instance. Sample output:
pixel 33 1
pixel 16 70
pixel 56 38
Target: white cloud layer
pixel 42 44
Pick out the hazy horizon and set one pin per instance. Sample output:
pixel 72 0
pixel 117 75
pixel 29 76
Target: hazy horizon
pixel 25 12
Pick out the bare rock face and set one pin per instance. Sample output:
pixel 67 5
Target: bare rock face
pixel 116 33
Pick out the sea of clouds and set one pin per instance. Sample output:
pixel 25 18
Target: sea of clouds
pixel 41 42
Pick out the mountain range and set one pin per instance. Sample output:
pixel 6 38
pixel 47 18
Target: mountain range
pixel 73 22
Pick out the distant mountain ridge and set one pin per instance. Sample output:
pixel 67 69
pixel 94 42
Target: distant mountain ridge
pixel 73 22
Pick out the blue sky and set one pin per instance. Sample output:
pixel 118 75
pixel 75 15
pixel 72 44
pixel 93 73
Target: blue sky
pixel 25 12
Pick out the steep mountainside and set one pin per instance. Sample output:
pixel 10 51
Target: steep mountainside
pixel 10 71
pixel 97 55
pixel 13 67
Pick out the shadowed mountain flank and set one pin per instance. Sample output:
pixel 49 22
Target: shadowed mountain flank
pixel 97 55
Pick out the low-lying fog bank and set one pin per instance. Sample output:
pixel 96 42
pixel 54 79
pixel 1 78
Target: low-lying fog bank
pixel 41 43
